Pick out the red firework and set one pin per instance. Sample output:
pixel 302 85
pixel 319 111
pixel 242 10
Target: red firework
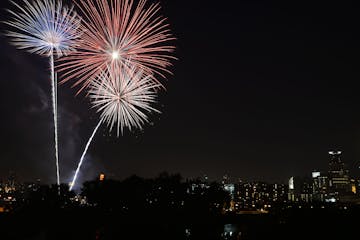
pixel 119 33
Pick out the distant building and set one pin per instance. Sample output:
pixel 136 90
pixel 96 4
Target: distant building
pixel 279 193
pixel 300 190
pixel 306 194
pixel 225 179
pixel 320 186
pixel 230 188
pixel 101 177
pixel 353 186
pixel 339 180
pixel 291 193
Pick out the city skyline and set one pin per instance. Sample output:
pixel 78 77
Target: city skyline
pixel 262 90
pixel 335 185
pixel 313 174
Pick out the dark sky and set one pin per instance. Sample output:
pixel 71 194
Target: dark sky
pixel 261 91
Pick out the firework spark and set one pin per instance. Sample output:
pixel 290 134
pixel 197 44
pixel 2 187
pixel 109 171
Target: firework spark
pixel 123 99
pixel 45 27
pixel 119 33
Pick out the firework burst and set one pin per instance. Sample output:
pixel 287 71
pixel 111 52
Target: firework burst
pixel 123 98
pixel 119 33
pixel 45 27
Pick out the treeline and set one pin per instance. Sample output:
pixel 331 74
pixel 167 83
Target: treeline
pixel 164 207
pixel 133 195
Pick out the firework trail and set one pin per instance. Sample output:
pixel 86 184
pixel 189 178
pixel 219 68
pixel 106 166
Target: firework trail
pixel 83 155
pixel 119 33
pixel 47 28
pixel 54 107
pixel 123 98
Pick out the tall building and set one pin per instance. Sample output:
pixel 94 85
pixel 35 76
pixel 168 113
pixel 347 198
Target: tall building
pixel 339 180
pixel 291 192
pixel 320 186
pixel 11 183
pixel 300 189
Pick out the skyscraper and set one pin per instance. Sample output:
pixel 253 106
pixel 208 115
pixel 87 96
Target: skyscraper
pixel 339 180
pixel 291 193
pixel 320 185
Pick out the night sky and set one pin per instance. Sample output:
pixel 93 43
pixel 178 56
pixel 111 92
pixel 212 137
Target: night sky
pixel 262 90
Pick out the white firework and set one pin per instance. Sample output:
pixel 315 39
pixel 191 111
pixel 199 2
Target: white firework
pixel 47 28
pixel 123 98
pixel 44 27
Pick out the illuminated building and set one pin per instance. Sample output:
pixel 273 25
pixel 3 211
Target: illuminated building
pixel 11 184
pixel 353 186
pixel 197 186
pixel 230 188
pixel 258 196
pixel 226 179
pixel 300 190
pixel 339 181
pixel 315 174
pixel 291 194
pixel 279 193
pixel 101 177
pixel 320 186
pixel 306 194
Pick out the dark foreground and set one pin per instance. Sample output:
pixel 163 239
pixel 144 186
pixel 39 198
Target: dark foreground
pixel 90 223
pixel 163 208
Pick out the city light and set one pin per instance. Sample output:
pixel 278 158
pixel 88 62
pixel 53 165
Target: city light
pixel 102 177
pixel 315 174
